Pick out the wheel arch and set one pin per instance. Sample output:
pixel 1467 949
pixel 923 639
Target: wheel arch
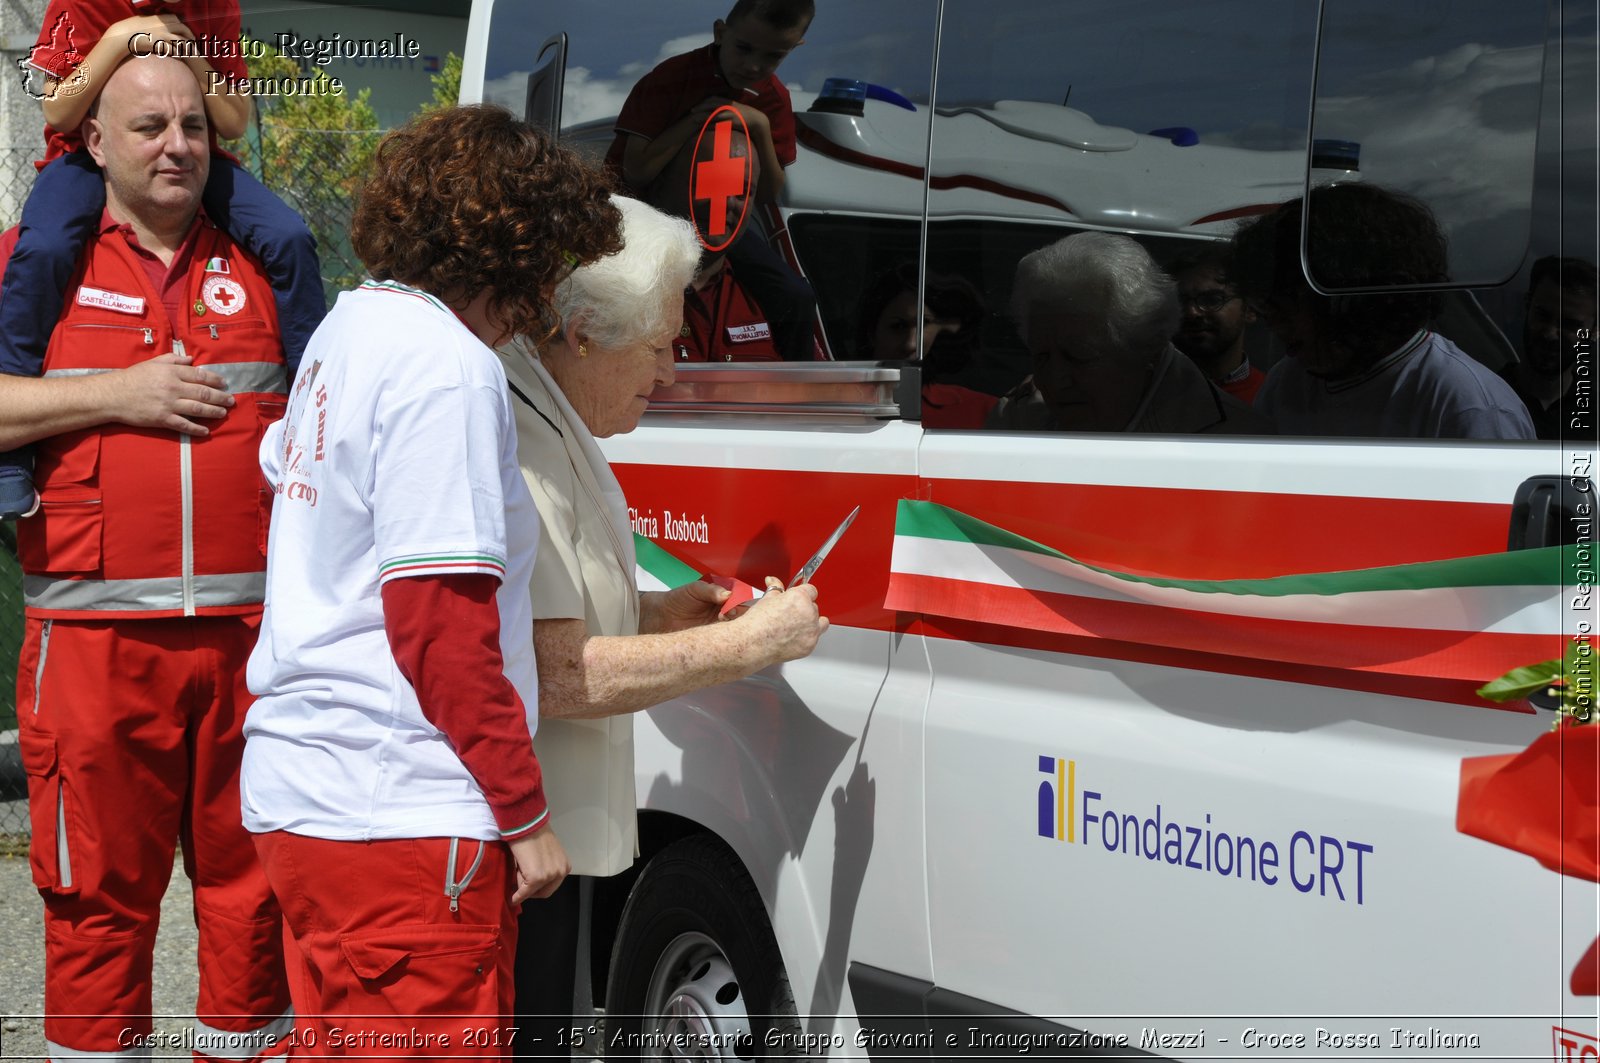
pixel 794 927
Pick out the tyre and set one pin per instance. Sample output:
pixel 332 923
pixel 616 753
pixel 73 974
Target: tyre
pixel 695 972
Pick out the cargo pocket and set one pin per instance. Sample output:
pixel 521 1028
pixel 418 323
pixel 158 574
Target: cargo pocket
pixel 268 411
pixel 65 534
pixel 49 851
pixel 424 969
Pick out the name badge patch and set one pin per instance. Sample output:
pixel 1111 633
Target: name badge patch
pixel 99 297
pixel 748 333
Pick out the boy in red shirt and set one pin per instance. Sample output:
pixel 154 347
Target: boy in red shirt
pixel 667 107
pixel 64 208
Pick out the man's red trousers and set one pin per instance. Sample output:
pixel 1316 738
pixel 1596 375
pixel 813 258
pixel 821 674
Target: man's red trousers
pixel 130 731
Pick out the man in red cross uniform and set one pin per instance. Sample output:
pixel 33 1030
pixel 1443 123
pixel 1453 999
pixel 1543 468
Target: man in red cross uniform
pixel 143 580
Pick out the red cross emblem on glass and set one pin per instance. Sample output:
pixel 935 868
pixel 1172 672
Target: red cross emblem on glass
pixel 719 178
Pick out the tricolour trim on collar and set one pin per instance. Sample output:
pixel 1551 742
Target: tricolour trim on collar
pixel 370 285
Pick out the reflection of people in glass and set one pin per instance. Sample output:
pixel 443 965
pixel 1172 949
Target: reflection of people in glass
pixel 1558 323
pixel 1365 365
pixel 889 326
pixel 722 322
pixel 666 109
pixel 1211 330
pixel 1096 313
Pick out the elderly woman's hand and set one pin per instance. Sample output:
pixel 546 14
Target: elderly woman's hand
pixel 682 607
pixel 789 621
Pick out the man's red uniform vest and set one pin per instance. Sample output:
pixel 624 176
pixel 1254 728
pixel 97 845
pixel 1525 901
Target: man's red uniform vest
pixel 148 522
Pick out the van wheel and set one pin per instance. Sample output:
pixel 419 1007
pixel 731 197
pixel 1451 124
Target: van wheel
pixel 695 972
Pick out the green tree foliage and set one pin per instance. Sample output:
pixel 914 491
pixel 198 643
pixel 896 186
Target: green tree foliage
pixel 446 84
pixel 313 148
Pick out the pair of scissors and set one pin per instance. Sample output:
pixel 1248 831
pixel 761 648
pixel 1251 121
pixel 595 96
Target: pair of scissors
pixel 809 569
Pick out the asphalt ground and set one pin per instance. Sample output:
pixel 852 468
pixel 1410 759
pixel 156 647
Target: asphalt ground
pixel 22 953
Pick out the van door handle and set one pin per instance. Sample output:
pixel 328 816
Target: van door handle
pixel 1551 511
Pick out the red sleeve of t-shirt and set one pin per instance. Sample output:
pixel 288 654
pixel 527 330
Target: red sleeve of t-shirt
pixel 654 102
pixel 444 632
pixel 70 30
pixel 779 110
pixel 217 23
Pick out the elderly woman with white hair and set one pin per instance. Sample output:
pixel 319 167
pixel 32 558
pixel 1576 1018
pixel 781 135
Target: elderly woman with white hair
pixel 1097 314
pixel 605 650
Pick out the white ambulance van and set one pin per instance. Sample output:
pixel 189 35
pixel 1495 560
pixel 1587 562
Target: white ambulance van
pixel 1065 777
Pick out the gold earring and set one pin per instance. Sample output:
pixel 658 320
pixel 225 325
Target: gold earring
pixel 583 350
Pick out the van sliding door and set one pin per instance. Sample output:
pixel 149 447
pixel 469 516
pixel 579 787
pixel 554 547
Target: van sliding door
pixel 1172 794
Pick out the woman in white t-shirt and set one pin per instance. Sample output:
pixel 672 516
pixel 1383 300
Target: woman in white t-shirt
pixel 606 650
pixel 388 772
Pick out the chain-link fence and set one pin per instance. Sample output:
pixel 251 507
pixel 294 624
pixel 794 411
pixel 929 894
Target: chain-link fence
pixel 317 173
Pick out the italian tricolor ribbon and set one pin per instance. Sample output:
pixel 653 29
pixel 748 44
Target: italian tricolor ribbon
pixel 1469 618
pixel 658 570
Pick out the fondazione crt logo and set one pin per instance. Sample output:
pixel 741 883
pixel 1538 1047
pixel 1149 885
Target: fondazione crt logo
pixel 1109 823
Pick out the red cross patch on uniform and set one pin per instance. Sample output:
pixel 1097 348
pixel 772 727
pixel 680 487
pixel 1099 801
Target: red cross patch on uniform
pixel 222 294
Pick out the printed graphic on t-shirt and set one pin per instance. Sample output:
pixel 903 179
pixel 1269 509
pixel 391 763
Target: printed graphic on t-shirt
pixel 295 486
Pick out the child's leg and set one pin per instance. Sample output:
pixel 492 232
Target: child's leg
pixel 271 230
pixel 58 218
pixel 784 295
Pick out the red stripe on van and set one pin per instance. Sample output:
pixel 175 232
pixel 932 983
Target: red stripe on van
pixel 1191 534
pixel 767 522
pixel 1475 656
pixel 1449 691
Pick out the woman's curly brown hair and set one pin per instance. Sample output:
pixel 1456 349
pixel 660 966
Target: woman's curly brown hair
pixel 471 199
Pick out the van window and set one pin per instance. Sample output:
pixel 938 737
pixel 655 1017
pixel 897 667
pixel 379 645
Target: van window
pixel 1175 126
pixel 1171 124
pixel 885 49
pixel 1444 109
pixel 889 44
pixel 1162 122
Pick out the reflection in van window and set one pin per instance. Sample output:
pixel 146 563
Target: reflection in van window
pixel 703 108
pixel 1166 122
pixel 1098 313
pixel 1558 326
pixel 1215 320
pixel 1236 72
pixel 941 330
pixel 728 309
pixel 1161 121
pixel 1366 365
pixel 1445 109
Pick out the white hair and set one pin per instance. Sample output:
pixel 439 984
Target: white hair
pixel 626 298
pixel 1136 303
